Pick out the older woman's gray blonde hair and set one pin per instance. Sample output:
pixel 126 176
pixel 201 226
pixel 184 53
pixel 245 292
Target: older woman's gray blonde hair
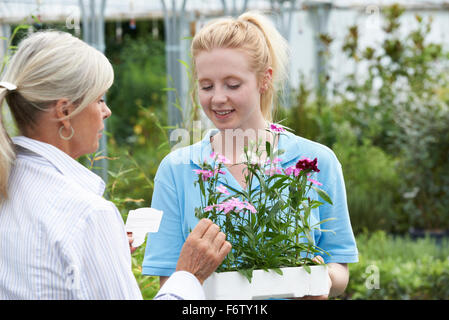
pixel 48 66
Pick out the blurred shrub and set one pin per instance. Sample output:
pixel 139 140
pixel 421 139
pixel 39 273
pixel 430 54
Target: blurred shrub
pixel 398 268
pixel 140 78
pixel 424 146
pixel 133 166
pixel 372 182
pixel 389 126
pixel 401 106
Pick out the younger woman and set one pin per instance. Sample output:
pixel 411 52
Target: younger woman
pixel 239 65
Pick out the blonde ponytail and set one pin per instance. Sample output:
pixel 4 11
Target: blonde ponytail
pixel 48 66
pixel 6 151
pixel 258 37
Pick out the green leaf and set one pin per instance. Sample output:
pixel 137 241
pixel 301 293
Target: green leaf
pixel 268 147
pixel 307 268
pixel 113 174
pixel 185 64
pixel 323 221
pixel 247 273
pixel 278 271
pixel 323 194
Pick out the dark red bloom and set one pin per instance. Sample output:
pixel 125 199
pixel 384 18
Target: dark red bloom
pixel 306 164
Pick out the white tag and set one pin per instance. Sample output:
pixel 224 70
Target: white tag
pixel 141 221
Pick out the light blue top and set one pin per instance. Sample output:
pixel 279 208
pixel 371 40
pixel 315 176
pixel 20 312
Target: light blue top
pixel 175 194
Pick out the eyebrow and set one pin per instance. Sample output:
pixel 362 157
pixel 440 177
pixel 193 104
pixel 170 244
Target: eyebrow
pixel 225 79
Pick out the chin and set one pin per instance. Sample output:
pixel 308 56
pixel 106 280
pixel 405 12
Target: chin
pixel 223 125
pixel 93 149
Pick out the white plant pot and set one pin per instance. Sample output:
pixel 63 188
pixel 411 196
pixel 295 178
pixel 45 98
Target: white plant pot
pixel 295 282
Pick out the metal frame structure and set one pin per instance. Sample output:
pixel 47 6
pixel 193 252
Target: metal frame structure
pixel 92 13
pixel 177 15
pixel 174 23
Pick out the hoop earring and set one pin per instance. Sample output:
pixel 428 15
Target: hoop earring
pixel 66 138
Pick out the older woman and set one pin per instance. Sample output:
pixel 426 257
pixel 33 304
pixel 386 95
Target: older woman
pixel 59 238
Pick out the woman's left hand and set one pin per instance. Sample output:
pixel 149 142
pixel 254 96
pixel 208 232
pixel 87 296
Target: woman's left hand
pixel 131 240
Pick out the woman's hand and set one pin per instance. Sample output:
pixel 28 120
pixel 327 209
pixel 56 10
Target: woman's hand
pixel 131 240
pixel 204 250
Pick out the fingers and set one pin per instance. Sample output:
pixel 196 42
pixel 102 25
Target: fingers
pixel 201 228
pixel 224 250
pixel 217 240
pixel 204 250
pixel 130 241
pixel 318 259
pixel 220 237
pixel 211 233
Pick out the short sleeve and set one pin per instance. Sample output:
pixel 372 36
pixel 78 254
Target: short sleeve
pixel 339 242
pixel 163 247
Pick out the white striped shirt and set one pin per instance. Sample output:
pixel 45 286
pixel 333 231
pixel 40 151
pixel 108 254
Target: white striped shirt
pixel 60 239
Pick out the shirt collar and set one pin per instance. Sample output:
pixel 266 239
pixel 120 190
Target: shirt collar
pixel 289 143
pixel 66 165
pixel 201 150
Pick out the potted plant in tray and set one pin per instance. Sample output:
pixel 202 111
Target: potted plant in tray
pixel 268 225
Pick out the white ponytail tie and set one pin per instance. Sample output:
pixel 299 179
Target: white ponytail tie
pixel 8 85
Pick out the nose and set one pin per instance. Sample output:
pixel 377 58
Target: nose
pixel 106 112
pixel 219 97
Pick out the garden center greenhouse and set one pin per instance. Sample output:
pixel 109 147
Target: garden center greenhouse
pixel 301 22
pixel 368 79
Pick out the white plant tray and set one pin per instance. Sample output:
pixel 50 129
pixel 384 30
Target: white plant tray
pixel 295 282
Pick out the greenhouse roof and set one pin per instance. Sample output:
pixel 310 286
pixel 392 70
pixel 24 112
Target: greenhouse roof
pixel 15 11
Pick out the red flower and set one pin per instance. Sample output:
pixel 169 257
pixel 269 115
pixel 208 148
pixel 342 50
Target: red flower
pixel 306 164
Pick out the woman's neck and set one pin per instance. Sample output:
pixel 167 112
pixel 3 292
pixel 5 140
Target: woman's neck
pixel 232 142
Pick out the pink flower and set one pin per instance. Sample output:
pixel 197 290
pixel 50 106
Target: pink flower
pixel 220 158
pixel 276 128
pixel 223 159
pixel 315 182
pixel 232 204
pixel 222 189
pixel 272 171
pixel 275 160
pixel 219 171
pixel 205 174
pixel 250 207
pixel 292 170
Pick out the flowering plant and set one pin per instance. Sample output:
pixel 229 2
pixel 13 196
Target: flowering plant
pixel 268 225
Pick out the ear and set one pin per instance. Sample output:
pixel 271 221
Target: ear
pixel 266 80
pixel 63 108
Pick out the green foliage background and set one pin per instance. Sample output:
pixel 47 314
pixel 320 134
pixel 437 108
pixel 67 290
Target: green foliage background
pixel 392 141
